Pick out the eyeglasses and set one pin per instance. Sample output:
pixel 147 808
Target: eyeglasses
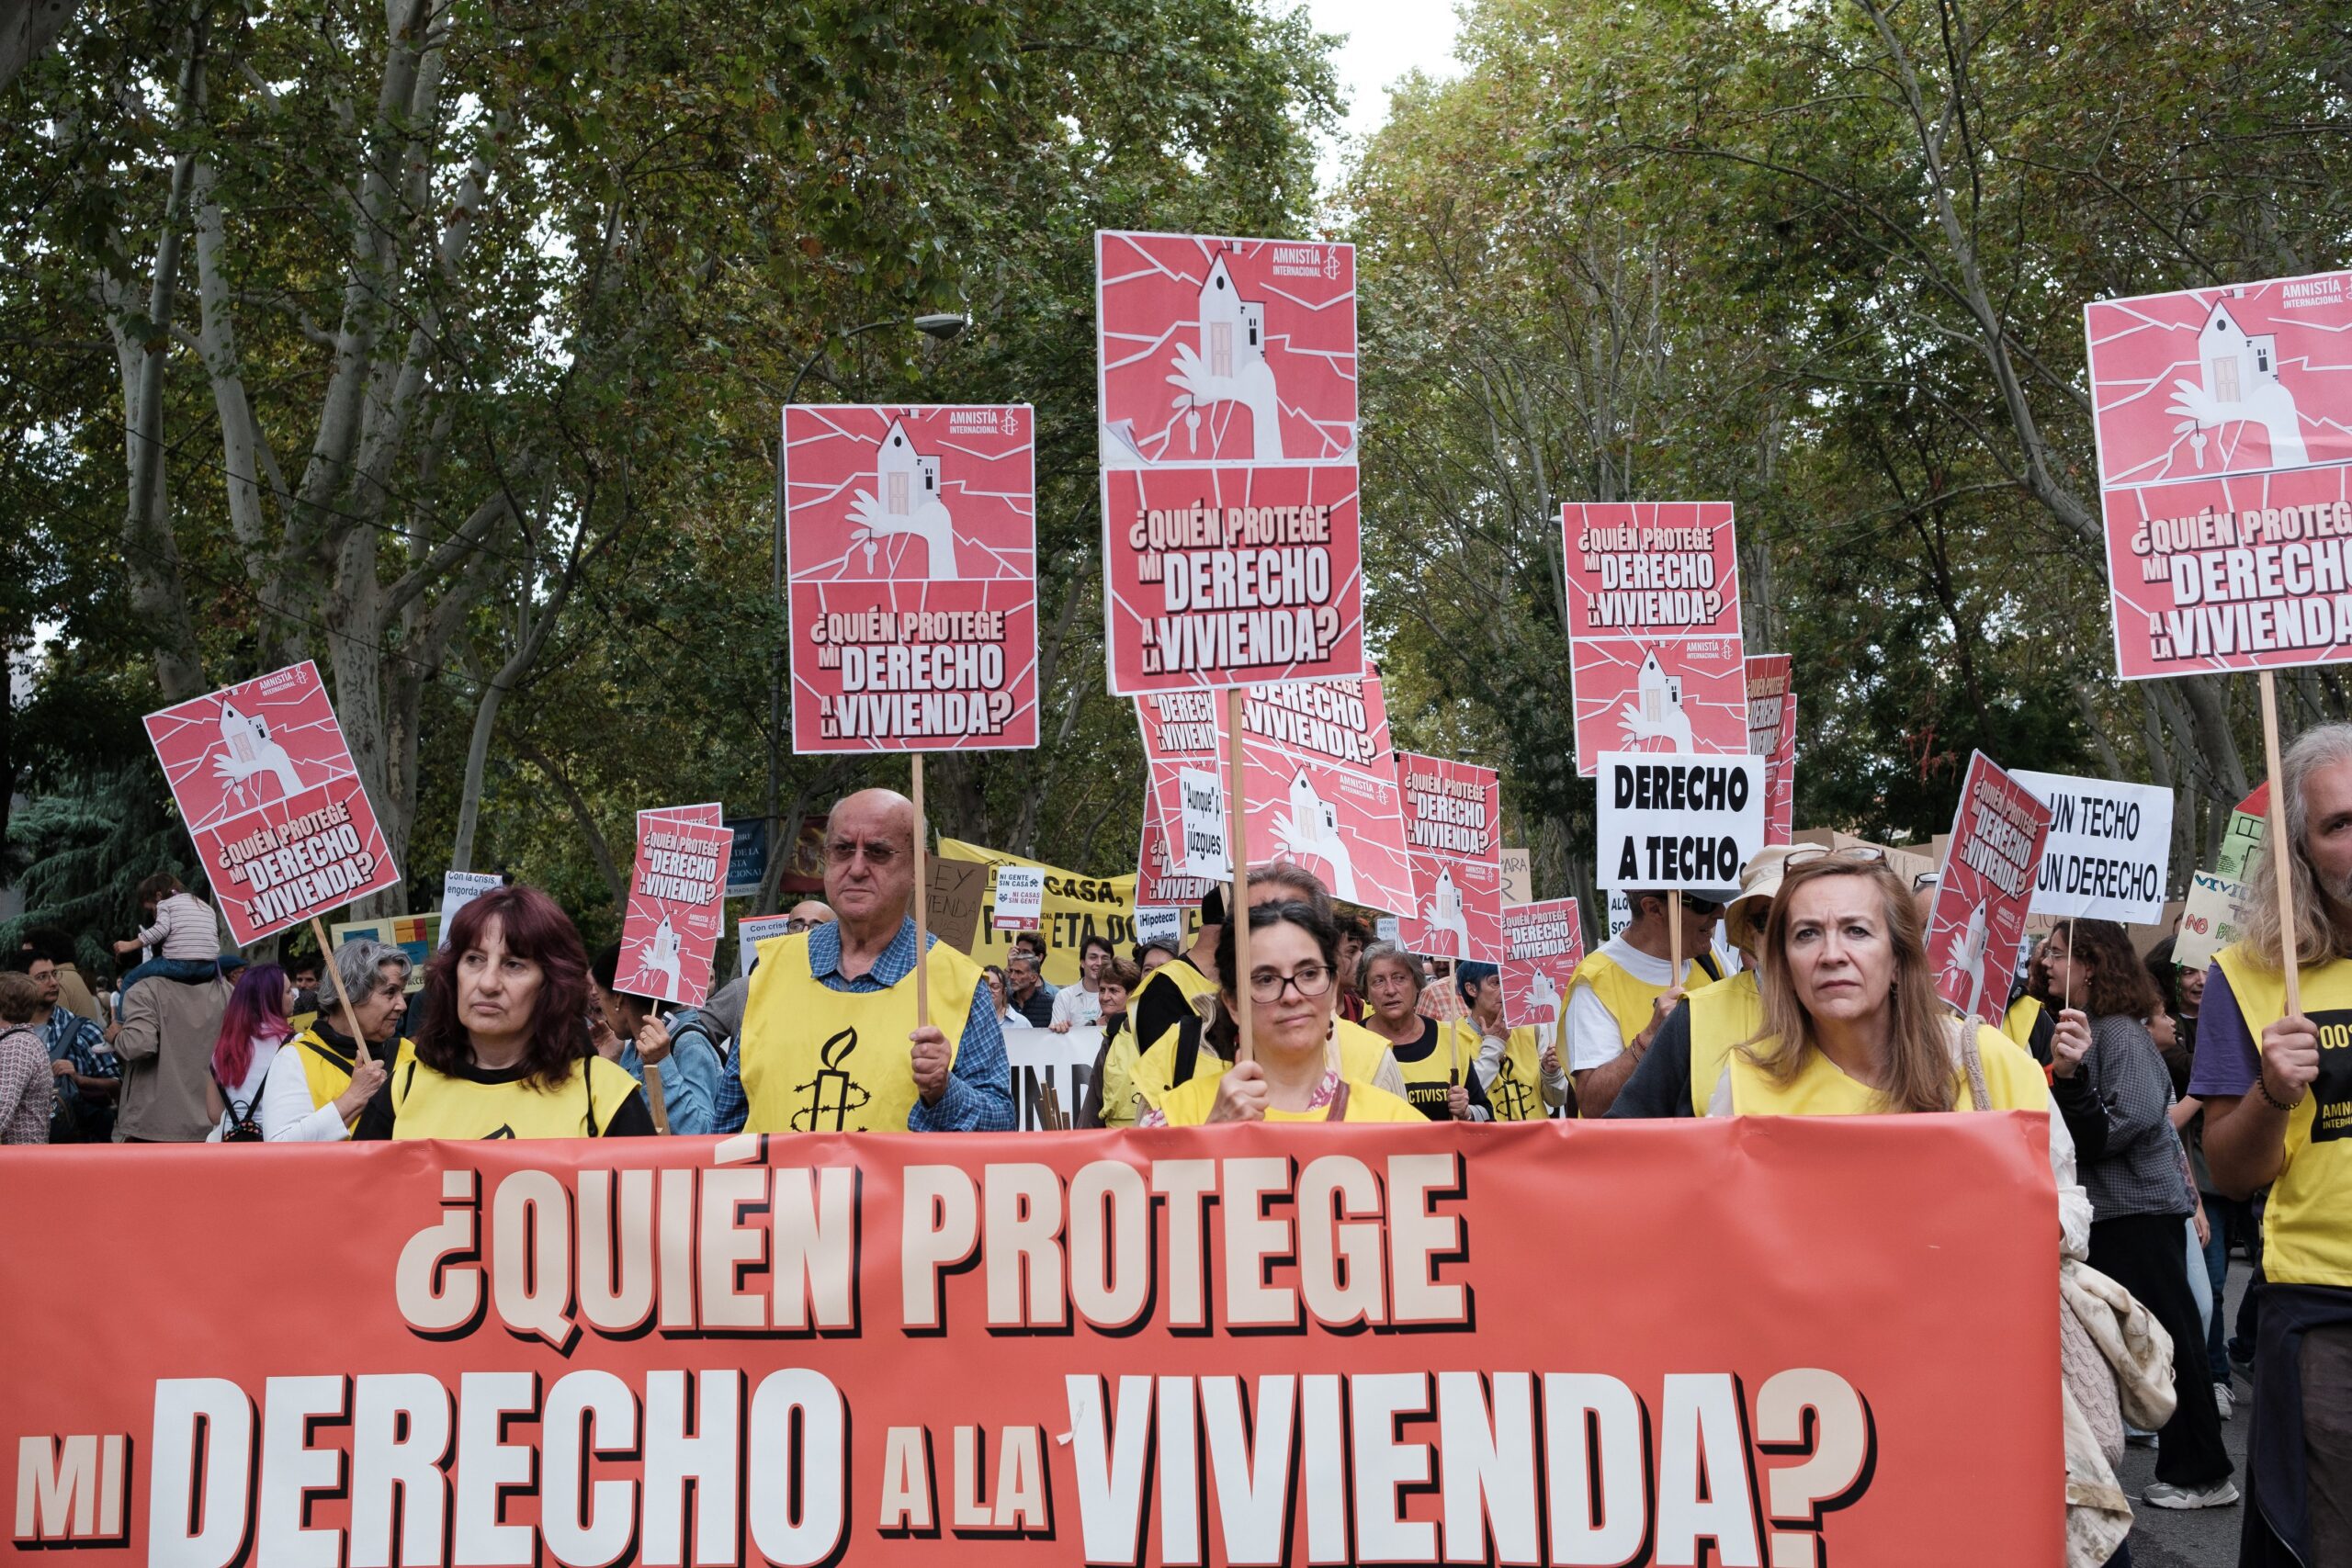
pixel 1862 854
pixel 879 852
pixel 1693 905
pixel 1310 980
pixel 795 924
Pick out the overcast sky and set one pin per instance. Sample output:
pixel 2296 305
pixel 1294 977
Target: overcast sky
pixel 1386 38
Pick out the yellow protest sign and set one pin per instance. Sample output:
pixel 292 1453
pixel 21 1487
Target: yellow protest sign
pixel 1076 907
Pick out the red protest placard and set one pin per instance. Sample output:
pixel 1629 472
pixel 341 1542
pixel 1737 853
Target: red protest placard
pixel 2225 424
pixel 1160 881
pixel 1319 787
pixel 1542 944
pixel 1772 735
pixel 1654 641
pixel 1223 576
pixel 1984 891
pixel 912 538
pixel 272 801
pixel 1180 730
pixel 676 908
pixel 1224 351
pixel 604 1350
pixel 1453 842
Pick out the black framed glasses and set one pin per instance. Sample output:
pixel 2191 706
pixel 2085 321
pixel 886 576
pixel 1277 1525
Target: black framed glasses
pixel 1310 980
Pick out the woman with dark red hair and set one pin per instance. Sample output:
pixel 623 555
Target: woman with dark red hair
pixel 505 1053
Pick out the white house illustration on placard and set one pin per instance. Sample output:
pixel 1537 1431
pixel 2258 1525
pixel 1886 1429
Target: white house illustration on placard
pixel 1310 831
pixel 1656 709
pixel 2238 382
pixel 1226 364
pixel 249 749
pixel 905 500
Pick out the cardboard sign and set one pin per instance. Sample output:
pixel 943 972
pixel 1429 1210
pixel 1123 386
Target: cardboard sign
pixel 2108 855
pixel 1038 1057
pixel 416 935
pixel 2224 425
pixel 1215 350
pixel 1542 944
pixel 1985 890
pixel 1319 787
pixel 1772 735
pixel 1020 898
pixel 753 930
pixel 762 1349
pixel 2212 918
pixel 459 888
pixel 1200 800
pixel 957 890
pixel 1075 907
pixel 1687 823
pixel 1518 877
pixel 1453 819
pixel 1220 577
pixel 272 801
pixel 1653 639
pixel 911 533
pixel 677 905
pixel 1179 730
pixel 1160 926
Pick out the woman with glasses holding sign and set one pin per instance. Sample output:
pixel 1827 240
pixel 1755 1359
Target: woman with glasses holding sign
pixel 1292 1072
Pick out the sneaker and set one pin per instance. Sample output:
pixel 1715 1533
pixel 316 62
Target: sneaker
pixel 2163 1494
pixel 2221 1400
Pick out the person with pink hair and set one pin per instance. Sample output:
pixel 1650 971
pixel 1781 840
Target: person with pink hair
pixel 257 1077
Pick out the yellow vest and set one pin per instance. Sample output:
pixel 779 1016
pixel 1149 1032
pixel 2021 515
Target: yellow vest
pixel 818 1060
pixel 328 1070
pixel 2012 1078
pixel 1428 1077
pixel 1118 1078
pixel 1723 1017
pixel 1628 1000
pixel 2307 1225
pixel 2019 1021
pixel 430 1105
pixel 1517 1093
pixel 1360 1053
pixel 1188 1105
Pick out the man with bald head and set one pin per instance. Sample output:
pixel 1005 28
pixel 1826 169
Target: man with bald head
pixel 830 1038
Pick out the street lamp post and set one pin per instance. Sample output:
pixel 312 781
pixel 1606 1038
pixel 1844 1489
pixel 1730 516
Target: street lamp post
pixel 943 328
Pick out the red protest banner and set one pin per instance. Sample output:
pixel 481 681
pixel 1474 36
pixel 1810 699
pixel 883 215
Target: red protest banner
pixel 1653 639
pixel 2224 425
pixel 1986 889
pixel 1225 576
pixel 1180 730
pixel 913 543
pixel 677 908
pixel 272 800
pixel 1160 881
pixel 1772 735
pixel 1214 350
pixel 1542 944
pixel 1043 1348
pixel 1319 787
pixel 1453 843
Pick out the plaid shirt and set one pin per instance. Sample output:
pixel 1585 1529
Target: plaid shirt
pixel 980 1086
pixel 72 1038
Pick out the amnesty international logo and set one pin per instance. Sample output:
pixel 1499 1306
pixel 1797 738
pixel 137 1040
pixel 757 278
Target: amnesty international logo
pixel 832 1093
pixel 1512 1096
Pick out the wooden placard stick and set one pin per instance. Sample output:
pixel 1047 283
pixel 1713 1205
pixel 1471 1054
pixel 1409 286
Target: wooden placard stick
pixel 1674 934
pixel 654 1100
pixel 1238 911
pixel 2282 853
pixel 922 906
pixel 2066 1002
pixel 342 992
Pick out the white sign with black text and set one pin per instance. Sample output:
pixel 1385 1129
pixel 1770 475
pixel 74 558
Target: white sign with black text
pixel 1680 821
pixel 1020 898
pixel 1039 1058
pixel 1204 852
pixel 2108 855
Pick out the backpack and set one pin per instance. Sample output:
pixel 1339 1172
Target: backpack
pixel 244 1119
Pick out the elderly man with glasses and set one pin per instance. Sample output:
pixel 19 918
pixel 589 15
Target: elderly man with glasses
pixel 832 1040
pixel 1627 986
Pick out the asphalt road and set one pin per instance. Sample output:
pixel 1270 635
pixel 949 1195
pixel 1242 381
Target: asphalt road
pixel 2201 1537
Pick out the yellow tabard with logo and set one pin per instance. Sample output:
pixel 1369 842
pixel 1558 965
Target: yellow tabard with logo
pixel 1360 1053
pixel 818 1060
pixel 430 1104
pixel 2307 1225
pixel 1628 1000
pixel 1517 1093
pixel 328 1070
pixel 1188 1105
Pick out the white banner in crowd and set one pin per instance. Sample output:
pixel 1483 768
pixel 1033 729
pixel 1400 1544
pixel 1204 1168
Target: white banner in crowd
pixel 1020 898
pixel 1204 851
pixel 1678 821
pixel 2109 850
pixel 751 931
pixel 459 888
pixel 1040 1056
pixel 1160 925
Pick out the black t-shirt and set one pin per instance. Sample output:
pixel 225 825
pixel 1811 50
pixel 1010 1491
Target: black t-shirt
pixel 1160 1005
pixel 1660 1085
